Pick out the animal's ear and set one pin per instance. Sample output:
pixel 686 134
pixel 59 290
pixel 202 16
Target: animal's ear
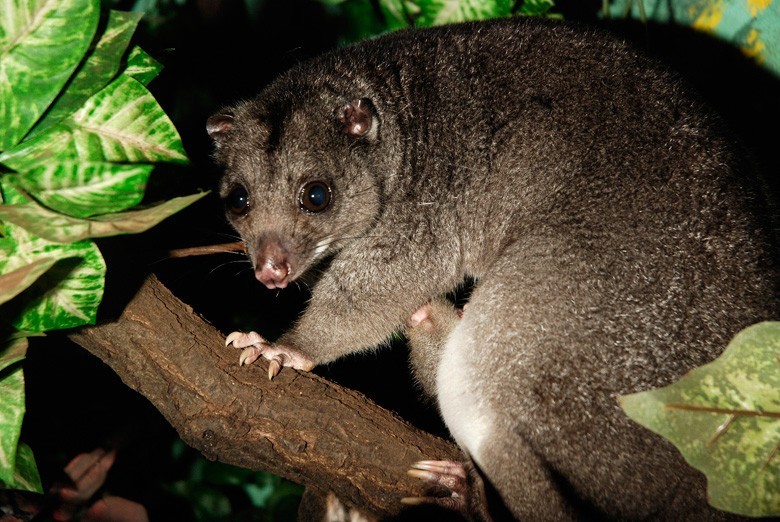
pixel 218 126
pixel 358 118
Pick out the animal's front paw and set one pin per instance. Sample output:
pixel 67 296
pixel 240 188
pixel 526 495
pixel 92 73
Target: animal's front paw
pixel 462 486
pixel 278 355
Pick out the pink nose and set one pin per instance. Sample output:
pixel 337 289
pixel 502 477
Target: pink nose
pixel 273 264
pixel 274 273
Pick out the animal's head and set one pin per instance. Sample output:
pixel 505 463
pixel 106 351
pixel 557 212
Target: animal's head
pixel 300 174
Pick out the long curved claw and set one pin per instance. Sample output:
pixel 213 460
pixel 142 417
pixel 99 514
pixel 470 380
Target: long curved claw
pixel 242 339
pixel 250 355
pixel 274 367
pixel 278 355
pixel 461 492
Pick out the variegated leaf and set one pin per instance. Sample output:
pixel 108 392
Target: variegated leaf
pixel 61 228
pixel 395 14
pixel 41 43
pixel 121 123
pixel 99 68
pixel 67 295
pixel 725 419
pixel 85 189
pixel 26 476
pixel 439 12
pixel 11 414
pixel 141 66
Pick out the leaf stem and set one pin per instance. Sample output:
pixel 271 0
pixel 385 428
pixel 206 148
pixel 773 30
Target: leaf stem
pixel 238 246
pixel 722 429
pixel 772 455
pixel 725 411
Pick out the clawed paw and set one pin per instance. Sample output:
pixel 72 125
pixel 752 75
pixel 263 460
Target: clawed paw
pixel 460 483
pixel 278 356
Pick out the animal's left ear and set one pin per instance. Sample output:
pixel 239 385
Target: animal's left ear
pixel 358 119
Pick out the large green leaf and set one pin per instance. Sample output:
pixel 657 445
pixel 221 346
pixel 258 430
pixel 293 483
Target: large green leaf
pixel 121 123
pixel 535 7
pixel 67 295
pixel 26 475
pixel 725 419
pixel 41 43
pixel 85 189
pixel 100 67
pixel 11 414
pixel 60 228
pixel 438 12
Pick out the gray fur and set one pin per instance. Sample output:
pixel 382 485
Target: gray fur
pixel 616 235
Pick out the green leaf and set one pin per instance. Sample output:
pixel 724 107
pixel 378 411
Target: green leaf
pixel 725 419
pixel 535 7
pixel 752 26
pixel 121 123
pixel 85 189
pixel 26 476
pixel 16 460
pixel 13 348
pixel 60 228
pixel 11 414
pixel 100 67
pixel 41 43
pixel 141 66
pixel 439 12
pixel 67 295
pixel 12 283
pixel 395 13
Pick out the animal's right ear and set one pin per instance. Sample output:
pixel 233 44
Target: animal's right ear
pixel 218 126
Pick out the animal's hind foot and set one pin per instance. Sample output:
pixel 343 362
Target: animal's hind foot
pixel 462 487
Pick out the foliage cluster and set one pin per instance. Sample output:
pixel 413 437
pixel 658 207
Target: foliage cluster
pixel 80 136
pixel 366 18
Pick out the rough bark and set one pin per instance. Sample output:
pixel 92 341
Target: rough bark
pixel 299 425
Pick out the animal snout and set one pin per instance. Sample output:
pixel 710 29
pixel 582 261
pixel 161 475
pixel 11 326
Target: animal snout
pixel 273 266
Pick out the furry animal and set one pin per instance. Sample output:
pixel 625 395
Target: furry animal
pixel 615 231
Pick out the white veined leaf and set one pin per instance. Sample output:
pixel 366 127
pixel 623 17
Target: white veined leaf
pixel 11 414
pixel 41 43
pixel 66 295
pixel 96 70
pixel 60 228
pixel 85 189
pixel 439 12
pixel 141 66
pixel 122 123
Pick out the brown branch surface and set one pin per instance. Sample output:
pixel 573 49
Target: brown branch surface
pixel 299 425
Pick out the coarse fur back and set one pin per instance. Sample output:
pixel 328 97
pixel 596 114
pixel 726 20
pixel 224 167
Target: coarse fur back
pixel 614 227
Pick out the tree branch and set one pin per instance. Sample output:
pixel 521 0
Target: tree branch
pixel 299 425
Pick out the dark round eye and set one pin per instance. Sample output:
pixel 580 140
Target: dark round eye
pixel 237 202
pixel 314 196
